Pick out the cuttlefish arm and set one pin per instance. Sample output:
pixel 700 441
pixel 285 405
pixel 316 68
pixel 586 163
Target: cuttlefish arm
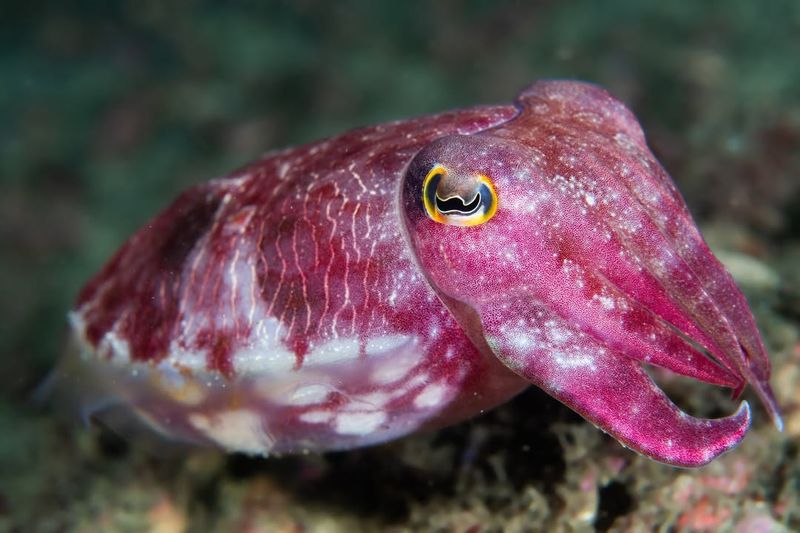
pixel 612 391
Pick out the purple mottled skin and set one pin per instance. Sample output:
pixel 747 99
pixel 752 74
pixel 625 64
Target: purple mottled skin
pixel 310 302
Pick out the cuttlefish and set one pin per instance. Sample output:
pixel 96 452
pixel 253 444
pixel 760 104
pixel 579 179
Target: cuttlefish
pixel 405 276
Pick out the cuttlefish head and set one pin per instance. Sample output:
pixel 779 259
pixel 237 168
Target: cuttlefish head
pixel 564 249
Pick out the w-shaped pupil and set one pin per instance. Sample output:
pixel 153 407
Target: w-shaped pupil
pixel 456 205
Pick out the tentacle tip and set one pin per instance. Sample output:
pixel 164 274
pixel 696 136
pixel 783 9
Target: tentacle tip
pixel 731 432
pixel 775 412
pixel 743 415
pixel 744 412
pixel 742 420
pixel 764 392
pixel 778 421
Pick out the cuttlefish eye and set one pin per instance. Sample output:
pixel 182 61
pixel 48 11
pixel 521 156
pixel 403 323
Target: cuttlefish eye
pixel 458 200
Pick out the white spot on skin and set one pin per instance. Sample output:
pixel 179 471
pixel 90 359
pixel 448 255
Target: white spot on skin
pixel 334 351
pixel 431 396
pixel 624 142
pixel 556 334
pixel 181 358
pixel 316 417
pixel 385 343
pixel 541 109
pixel 521 342
pixel 606 302
pixel 234 430
pixel 572 360
pixel 268 358
pixel 359 423
pixel 284 168
pixel 392 371
pixel 309 394
pixel 266 354
pixel 120 349
pixel 376 399
pixel 411 384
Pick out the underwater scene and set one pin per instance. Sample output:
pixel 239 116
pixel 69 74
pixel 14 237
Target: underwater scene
pixel 400 266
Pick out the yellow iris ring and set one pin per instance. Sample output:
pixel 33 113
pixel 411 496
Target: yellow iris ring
pixel 429 202
pixel 493 206
pixel 430 207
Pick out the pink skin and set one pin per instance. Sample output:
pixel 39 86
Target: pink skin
pixel 298 303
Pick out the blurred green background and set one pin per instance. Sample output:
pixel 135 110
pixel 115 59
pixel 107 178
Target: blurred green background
pixel 107 109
